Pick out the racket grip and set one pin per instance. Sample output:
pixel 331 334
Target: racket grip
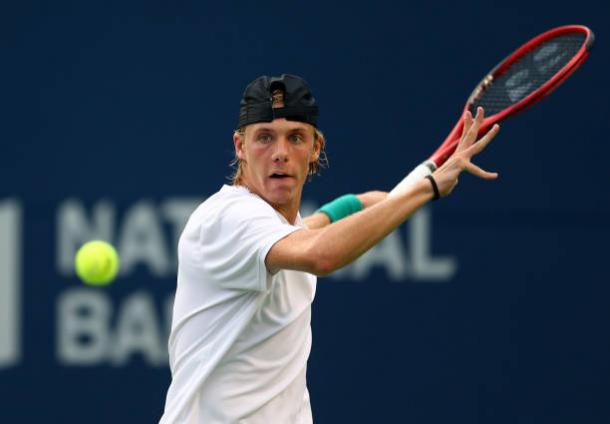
pixel 420 171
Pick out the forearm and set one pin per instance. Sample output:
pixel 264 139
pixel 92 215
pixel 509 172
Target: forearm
pixel 342 242
pixel 316 221
pixel 324 250
pixel 371 198
pixel 368 199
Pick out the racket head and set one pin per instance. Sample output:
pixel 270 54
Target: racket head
pixel 523 78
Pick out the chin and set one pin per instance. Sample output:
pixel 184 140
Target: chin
pixel 281 194
pixel 280 198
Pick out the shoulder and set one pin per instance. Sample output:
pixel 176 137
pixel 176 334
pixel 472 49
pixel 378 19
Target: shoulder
pixel 230 208
pixel 233 203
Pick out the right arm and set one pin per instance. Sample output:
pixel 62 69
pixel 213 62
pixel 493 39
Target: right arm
pixel 322 251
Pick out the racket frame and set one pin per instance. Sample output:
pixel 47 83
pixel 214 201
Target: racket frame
pixel 450 144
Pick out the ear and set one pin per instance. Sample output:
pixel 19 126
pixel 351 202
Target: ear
pixel 317 148
pixel 238 142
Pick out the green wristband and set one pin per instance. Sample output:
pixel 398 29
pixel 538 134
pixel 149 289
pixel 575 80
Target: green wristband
pixel 341 207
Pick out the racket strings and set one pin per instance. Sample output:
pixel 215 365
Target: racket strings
pixel 528 73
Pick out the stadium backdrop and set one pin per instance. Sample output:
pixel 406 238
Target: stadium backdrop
pixel 488 307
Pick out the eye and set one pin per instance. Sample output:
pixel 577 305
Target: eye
pixel 264 138
pixel 296 138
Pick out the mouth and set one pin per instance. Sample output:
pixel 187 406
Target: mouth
pixel 280 176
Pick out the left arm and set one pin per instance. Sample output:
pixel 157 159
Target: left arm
pixel 320 220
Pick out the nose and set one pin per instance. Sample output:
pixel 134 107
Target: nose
pixel 280 152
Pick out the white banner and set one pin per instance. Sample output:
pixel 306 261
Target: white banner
pixel 10 290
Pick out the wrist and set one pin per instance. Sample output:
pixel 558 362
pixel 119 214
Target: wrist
pixel 436 194
pixel 342 207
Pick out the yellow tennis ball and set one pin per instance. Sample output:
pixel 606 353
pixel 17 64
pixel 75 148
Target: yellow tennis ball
pixel 96 263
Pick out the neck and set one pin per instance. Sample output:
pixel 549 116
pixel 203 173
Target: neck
pixel 288 210
pixel 290 213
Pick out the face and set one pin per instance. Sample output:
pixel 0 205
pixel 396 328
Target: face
pixel 275 159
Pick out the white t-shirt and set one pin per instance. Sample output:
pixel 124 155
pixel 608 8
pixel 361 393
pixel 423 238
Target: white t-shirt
pixel 240 336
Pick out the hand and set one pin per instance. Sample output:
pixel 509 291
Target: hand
pixel 447 175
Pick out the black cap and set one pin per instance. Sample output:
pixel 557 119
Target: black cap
pixel 256 103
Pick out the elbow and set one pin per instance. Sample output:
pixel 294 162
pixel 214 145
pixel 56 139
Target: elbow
pixel 323 264
pixel 321 258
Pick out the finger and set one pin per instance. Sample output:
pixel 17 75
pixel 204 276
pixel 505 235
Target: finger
pixel 480 145
pixel 465 129
pixel 471 136
pixel 478 120
pixel 467 122
pixel 479 172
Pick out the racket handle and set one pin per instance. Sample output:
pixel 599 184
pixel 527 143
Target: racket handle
pixel 420 171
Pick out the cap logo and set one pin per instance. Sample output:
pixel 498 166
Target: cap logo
pixel 277 98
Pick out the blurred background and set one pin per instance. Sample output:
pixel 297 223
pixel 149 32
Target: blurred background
pixel 490 306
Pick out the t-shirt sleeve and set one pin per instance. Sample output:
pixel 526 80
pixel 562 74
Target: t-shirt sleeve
pixel 235 243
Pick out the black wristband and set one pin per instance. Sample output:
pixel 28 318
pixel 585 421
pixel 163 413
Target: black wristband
pixel 437 194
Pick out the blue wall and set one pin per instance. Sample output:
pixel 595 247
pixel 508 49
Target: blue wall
pixel 489 307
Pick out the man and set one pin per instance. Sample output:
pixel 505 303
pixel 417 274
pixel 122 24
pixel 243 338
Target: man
pixel 248 263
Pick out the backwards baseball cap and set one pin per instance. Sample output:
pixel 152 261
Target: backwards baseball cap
pixel 258 100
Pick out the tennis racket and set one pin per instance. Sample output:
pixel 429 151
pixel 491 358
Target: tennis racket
pixel 527 75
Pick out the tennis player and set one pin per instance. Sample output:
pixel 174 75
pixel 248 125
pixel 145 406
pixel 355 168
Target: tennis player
pixel 248 262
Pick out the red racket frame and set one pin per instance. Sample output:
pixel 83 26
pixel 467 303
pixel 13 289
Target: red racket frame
pixel 449 145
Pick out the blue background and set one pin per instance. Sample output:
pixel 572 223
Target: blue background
pixel 126 101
